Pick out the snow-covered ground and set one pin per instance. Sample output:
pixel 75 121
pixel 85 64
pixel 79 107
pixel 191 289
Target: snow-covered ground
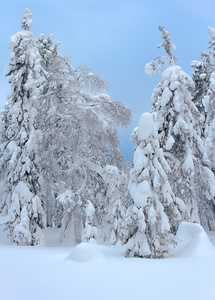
pixel 94 272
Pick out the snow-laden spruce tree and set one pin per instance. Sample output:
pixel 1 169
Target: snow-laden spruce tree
pixel 203 97
pixel 201 77
pixel 19 170
pixel 209 105
pixel 90 231
pixel 154 216
pixel 77 132
pixel 176 118
pixel 207 208
pixel 117 200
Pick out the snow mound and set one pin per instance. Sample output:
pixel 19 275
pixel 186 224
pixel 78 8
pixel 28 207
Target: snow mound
pixel 145 126
pixel 84 252
pixel 192 241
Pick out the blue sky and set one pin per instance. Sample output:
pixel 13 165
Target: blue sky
pixel 115 38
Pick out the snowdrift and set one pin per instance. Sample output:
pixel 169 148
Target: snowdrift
pixel 84 252
pixel 192 240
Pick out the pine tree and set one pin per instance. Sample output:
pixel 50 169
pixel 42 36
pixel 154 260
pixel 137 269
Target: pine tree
pixel 176 120
pixel 203 97
pixel 117 200
pixel 209 104
pixel 90 231
pixel 154 216
pixel 18 160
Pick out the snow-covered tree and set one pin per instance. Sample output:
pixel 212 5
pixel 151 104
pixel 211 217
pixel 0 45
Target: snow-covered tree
pixel 203 97
pixel 107 190
pixel 19 170
pixel 209 105
pixel 67 216
pixel 90 231
pixel 156 64
pixel 117 200
pixel 154 216
pixel 77 131
pixel 201 77
pixel 177 118
pixel 208 207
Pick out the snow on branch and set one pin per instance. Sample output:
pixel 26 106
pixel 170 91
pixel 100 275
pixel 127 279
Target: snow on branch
pixel 111 109
pixel 150 68
pixel 89 81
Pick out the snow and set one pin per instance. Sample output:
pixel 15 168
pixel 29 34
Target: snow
pixel 145 126
pixel 86 252
pixel 176 74
pixel 188 163
pixel 46 273
pixel 140 160
pixel 166 96
pixel 90 210
pixel 170 142
pixel 211 32
pixel 142 194
pixel 150 68
pixel 193 241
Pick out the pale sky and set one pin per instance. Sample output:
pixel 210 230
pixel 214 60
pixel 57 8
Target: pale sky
pixel 115 38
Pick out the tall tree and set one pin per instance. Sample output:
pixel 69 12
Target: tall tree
pixel 77 131
pixel 176 117
pixel 154 216
pixel 203 97
pixel 209 104
pixel 59 132
pixel 19 168
pixel 116 202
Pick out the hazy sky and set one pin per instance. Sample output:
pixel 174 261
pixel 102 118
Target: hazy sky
pixel 115 38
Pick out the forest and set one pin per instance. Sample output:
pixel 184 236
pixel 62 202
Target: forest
pixel 60 161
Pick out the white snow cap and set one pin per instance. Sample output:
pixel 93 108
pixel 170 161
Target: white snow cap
pixel 176 74
pixel 90 210
pixel 211 31
pixel 143 192
pixel 27 21
pixel 145 126
pixel 150 68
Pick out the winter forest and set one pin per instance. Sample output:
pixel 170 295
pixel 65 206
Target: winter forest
pixel 61 168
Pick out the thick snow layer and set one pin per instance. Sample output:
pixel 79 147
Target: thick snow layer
pixel 46 273
pixel 193 241
pixel 176 74
pixel 140 160
pixel 86 252
pixel 170 142
pixel 90 210
pixel 145 126
pixel 150 68
pixel 142 194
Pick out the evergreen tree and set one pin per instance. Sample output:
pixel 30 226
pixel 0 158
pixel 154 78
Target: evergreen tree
pixel 90 231
pixel 203 97
pixel 176 120
pixel 209 105
pixel 116 202
pixel 154 216
pixel 58 133
pixel 18 160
